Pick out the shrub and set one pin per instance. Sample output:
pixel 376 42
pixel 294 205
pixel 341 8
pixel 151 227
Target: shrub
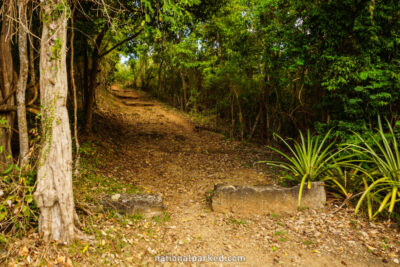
pixel 17 209
pixel 380 163
pixel 308 160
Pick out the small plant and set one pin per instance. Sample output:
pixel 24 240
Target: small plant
pixel 307 161
pixel 342 182
pixel 308 242
pixel 18 212
pixel 157 219
pixel 238 222
pixel 280 233
pixel 166 217
pixel 380 163
pixel 274 215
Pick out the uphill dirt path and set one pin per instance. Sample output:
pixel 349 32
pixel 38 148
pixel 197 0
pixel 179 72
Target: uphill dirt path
pixel 142 145
pixel 151 146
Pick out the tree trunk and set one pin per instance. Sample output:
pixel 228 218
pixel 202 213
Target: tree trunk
pixel 232 118
pixel 91 92
pixel 236 95
pixel 92 80
pixel 21 88
pixel 53 194
pixel 159 84
pixel 85 73
pixel 253 129
pixel 184 90
pixel 73 85
pixel 32 75
pixel 6 63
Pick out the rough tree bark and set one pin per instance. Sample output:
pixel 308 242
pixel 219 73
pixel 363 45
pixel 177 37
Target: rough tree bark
pixel 53 194
pixel 8 82
pixel 21 86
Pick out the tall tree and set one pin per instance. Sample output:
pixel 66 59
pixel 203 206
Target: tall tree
pixel 8 82
pixel 131 18
pixel 53 194
pixel 23 77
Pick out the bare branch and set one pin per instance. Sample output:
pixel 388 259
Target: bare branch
pixel 121 43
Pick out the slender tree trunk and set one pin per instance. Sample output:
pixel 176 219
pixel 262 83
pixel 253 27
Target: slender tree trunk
pixel 236 95
pixel 32 74
pixel 253 129
pixel 53 194
pixel 8 82
pixel 91 92
pixel 148 80
pixel 159 84
pixel 21 88
pixel 77 155
pixel 232 119
pixel 92 79
pixel 85 73
pixel 184 90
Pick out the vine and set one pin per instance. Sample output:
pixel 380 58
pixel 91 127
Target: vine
pixel 52 14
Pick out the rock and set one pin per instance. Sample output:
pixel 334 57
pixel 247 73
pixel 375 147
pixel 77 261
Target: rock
pixel 115 197
pixel 147 205
pixel 265 199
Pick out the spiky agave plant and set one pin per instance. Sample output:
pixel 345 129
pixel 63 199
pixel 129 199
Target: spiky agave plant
pixel 308 159
pixel 383 175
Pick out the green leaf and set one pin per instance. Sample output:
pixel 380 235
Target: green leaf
pixel 363 75
pixel 29 199
pixel 3 215
pixel 26 211
pixel 8 170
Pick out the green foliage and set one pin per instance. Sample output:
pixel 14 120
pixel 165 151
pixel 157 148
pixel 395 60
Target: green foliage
pixel 307 161
pixel 358 57
pixel 341 182
pixel 18 212
pixel 237 222
pixel 369 167
pixel 91 182
pixel 291 64
pixel 381 165
pixel 124 75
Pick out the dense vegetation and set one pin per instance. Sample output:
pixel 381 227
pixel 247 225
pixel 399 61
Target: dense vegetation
pixel 280 66
pixel 247 68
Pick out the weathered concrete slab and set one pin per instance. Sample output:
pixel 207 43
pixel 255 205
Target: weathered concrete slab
pixel 266 199
pixel 147 205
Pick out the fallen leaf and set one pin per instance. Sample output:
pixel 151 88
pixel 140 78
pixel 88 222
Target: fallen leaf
pixel 68 263
pixel 60 259
pixel 23 251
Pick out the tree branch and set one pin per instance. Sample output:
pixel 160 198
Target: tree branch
pixel 11 108
pixel 120 43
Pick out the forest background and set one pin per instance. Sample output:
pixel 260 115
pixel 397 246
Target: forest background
pixel 249 69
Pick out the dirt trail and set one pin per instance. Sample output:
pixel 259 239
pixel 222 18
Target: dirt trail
pixel 156 148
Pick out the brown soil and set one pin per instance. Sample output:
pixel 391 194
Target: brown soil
pixel 158 149
pixel 161 151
